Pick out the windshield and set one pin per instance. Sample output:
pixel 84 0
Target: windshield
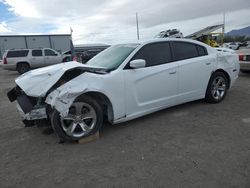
pixel 112 57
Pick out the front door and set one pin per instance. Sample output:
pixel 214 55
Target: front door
pixel 154 86
pixel 51 57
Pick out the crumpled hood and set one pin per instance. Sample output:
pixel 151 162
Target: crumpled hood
pixel 37 82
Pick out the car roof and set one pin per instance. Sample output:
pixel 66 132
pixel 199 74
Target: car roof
pixel 143 43
pixel 174 40
pixel 28 49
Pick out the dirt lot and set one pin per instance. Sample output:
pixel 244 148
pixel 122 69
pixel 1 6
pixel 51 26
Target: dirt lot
pixel 191 145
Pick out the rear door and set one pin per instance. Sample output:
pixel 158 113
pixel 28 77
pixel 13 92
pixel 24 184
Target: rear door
pixel 195 68
pixel 37 58
pixel 153 86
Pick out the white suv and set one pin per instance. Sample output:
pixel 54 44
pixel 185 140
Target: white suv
pixel 23 60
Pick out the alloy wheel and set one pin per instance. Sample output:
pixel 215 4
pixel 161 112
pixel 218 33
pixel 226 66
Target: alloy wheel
pixel 218 87
pixel 81 119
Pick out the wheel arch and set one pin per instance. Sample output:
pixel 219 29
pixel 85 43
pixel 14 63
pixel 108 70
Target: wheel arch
pixel 226 74
pixel 105 103
pixel 20 62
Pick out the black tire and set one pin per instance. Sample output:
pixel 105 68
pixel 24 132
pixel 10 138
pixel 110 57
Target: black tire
pixel 23 67
pixel 56 120
pixel 211 95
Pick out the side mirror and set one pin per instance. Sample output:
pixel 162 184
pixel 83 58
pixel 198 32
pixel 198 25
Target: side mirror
pixel 137 63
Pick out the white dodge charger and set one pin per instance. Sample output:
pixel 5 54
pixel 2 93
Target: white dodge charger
pixel 123 82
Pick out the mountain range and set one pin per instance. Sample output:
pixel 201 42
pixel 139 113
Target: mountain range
pixel 239 32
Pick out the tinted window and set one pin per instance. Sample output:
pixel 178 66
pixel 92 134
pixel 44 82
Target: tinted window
pixel 155 54
pixel 18 53
pixel 201 50
pixel 37 53
pixel 184 50
pixel 49 53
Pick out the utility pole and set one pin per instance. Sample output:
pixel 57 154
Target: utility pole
pixel 223 28
pixel 137 26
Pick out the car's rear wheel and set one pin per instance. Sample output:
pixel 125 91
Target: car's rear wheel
pixel 23 67
pixel 217 88
pixel 84 118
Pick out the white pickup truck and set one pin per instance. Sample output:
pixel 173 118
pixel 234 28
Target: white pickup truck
pixel 22 60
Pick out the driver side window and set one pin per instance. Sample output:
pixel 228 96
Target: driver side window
pixel 155 54
pixel 48 52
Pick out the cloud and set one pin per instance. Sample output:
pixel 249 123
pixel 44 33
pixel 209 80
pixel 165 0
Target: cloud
pixel 4 28
pixel 22 8
pixel 153 13
pixel 112 21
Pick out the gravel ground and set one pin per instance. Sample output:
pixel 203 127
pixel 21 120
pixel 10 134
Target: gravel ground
pixel 191 145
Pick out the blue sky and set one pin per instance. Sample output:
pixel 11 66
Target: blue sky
pixel 112 21
pixel 5 15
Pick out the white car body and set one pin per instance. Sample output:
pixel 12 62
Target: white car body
pixel 132 92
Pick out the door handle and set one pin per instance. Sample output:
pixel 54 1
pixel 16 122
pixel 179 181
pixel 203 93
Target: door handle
pixel 173 72
pixel 208 63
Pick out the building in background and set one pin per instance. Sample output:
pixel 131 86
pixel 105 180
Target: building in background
pixel 59 42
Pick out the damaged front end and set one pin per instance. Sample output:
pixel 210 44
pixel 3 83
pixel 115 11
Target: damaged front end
pixel 30 108
pixel 36 92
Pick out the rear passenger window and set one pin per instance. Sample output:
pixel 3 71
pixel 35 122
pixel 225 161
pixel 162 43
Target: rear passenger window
pixel 155 54
pixel 17 53
pixel 201 50
pixel 37 53
pixel 184 50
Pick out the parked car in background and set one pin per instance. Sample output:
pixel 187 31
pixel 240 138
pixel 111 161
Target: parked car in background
pixel 22 60
pixel 231 45
pixel 123 82
pixel 244 57
pixel 89 54
pixel 66 56
pixel 171 33
pixel 225 50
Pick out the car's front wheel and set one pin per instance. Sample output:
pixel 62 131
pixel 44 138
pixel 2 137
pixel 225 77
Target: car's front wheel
pixel 84 118
pixel 217 88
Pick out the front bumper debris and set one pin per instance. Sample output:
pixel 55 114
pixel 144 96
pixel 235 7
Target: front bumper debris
pixel 26 108
pixel 34 114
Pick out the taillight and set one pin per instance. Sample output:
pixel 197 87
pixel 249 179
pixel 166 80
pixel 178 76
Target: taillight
pixel 5 61
pixel 241 57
